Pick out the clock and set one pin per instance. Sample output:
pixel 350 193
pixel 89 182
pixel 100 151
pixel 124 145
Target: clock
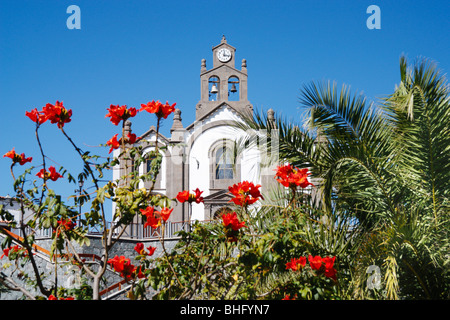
pixel 224 55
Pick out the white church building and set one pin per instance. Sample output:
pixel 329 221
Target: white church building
pixel 202 154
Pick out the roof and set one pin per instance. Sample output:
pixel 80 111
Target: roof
pixel 221 196
pixel 153 130
pixel 211 112
pixel 224 66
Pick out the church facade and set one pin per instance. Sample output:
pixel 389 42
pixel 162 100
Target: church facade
pixel 204 154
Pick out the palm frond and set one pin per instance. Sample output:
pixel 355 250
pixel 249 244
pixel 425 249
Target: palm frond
pixel 419 110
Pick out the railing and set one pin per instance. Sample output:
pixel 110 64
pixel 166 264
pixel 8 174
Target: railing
pixel 138 231
pixel 132 231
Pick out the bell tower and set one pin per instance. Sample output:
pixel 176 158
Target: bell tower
pixel 223 84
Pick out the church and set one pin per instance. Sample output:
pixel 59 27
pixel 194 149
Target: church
pixel 203 154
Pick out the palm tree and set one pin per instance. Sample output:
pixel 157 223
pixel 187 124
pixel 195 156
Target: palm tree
pixel 387 166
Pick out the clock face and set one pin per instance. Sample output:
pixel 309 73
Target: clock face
pixel 224 55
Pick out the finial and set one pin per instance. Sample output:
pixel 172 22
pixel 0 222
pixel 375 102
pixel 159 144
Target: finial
pixel 176 120
pixel 177 114
pixel 271 118
pixel 127 126
pixel 244 63
pixel 203 67
pixel 223 38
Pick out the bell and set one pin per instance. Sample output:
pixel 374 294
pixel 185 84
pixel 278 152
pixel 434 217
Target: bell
pixel 233 88
pixel 214 89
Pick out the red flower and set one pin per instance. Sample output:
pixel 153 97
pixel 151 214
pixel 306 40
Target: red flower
pixel 197 196
pixel 36 116
pixel 230 220
pixel 329 262
pixel 147 211
pixel 123 266
pixel 131 138
pixel 139 248
pixel 315 262
pixel 57 113
pixel 67 224
pixel 51 174
pixel 296 264
pixel 232 225
pixel 151 219
pixel 159 109
pixel 288 297
pixel 330 271
pixel 14 249
pixel 113 143
pixel 245 193
pixel 292 177
pixel 16 158
pixel 184 196
pixel 119 113
pixel 152 222
pixel 6 251
pixel 151 250
pixel 118 263
pixel 52 297
pixel 140 275
pixel 165 213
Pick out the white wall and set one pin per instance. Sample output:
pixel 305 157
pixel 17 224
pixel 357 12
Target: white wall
pixel 199 162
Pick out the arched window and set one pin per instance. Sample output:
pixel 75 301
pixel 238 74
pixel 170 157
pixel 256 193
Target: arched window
pixel 148 168
pixel 233 88
pixel 224 163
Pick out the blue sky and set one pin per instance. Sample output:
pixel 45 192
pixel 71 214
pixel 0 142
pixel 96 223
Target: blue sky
pixel 131 52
